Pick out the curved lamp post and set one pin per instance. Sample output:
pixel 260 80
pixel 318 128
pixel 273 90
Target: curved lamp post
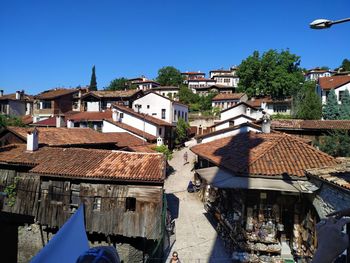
pixel 325 23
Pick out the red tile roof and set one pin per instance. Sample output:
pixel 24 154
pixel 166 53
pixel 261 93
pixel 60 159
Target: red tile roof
pixel 328 83
pixel 256 102
pixel 336 175
pixel 27 119
pixel 51 122
pixel 263 154
pixel 91 116
pixel 148 148
pixel 113 93
pixel 142 116
pixel 311 124
pixel 54 93
pixel 66 136
pixel 12 96
pixel 228 96
pixel 88 163
pixel 147 136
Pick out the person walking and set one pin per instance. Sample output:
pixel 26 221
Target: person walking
pixel 175 258
pixel 185 157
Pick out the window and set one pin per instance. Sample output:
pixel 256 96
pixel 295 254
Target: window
pixel 56 193
pixel 97 203
pixel 74 198
pixel 130 204
pixel 227 80
pixel 341 95
pixel 147 106
pixel 163 94
pixel 174 115
pixel 182 114
pixel 163 114
pixel 121 115
pixel 185 116
pixel 46 104
pixel 280 108
pixel 160 131
pixel 231 123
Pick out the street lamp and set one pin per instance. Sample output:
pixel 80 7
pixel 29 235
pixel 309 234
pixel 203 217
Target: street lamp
pixel 325 23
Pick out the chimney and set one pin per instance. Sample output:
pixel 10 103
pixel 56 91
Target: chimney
pixel 33 140
pixel 18 95
pixel 114 115
pixel 60 121
pixel 266 124
pixel 1 92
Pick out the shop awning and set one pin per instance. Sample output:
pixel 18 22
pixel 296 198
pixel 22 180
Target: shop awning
pixel 220 178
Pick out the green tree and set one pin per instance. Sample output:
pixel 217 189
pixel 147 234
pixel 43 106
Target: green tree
pixel 277 74
pixel 331 109
pixel 93 83
pixel 169 76
pixel 186 96
pixel 164 150
pixel 345 65
pixel 344 108
pixel 10 121
pixel 118 84
pixel 337 144
pixel 205 101
pixel 307 104
pixel 181 131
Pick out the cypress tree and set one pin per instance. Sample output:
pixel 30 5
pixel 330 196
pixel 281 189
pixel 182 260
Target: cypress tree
pixel 344 111
pixel 93 83
pixel 331 109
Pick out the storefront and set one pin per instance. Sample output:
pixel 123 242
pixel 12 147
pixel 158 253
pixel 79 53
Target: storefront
pixel 260 219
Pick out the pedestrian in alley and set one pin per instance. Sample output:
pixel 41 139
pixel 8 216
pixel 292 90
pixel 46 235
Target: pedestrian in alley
pixel 175 258
pixel 185 157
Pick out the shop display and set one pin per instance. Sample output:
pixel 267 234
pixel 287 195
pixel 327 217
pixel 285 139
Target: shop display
pixel 253 225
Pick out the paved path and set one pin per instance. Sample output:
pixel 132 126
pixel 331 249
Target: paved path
pixel 196 239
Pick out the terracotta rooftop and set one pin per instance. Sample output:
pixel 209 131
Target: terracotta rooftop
pixel 256 102
pixel 142 134
pixel 328 83
pixel 88 163
pixel 142 116
pixel 66 136
pixel 12 96
pixel 337 175
pixel 27 119
pixel 112 93
pixel 91 116
pixel 261 154
pixel 147 148
pixel 51 121
pixel 228 96
pixel 54 93
pixel 311 124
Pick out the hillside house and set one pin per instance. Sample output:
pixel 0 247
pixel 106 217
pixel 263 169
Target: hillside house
pixel 192 75
pixel 142 83
pixel 123 205
pixel 272 106
pixel 239 109
pixel 143 126
pixel 53 102
pixel 338 83
pixel 226 100
pixel 193 84
pixel 225 77
pixel 161 107
pixel 214 88
pixel 316 73
pixel 172 92
pixel 103 99
pixel 16 104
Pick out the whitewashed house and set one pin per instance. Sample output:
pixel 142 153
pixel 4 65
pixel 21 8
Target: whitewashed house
pixel 272 106
pixel 338 83
pixel 141 125
pixel 241 108
pixel 192 75
pixel 193 84
pixel 161 107
pixel 143 83
pixel 16 104
pixel 225 77
pixel 316 73
pixel 226 100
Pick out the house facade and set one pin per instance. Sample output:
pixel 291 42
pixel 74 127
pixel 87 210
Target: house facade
pixel 192 75
pixel 316 73
pixel 161 107
pixel 16 104
pixel 142 83
pixel 53 102
pixel 239 109
pixel 216 88
pixel 193 84
pixel 225 77
pixel 272 106
pixel 339 83
pixel 103 99
pixel 141 125
pixel 122 205
pixel 226 100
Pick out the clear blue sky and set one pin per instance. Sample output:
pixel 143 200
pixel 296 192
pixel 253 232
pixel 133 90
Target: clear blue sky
pixel 46 44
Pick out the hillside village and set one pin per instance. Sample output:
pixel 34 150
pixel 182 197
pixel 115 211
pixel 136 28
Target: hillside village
pixel 239 171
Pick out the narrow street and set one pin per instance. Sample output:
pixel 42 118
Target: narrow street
pixel 196 238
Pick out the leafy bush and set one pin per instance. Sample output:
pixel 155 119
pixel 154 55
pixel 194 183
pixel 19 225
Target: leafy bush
pixel 164 150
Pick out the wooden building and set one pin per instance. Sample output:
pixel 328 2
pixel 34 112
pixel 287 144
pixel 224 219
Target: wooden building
pixel 122 192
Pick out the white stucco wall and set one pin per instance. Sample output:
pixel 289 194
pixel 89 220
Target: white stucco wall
pixel 110 127
pixel 241 109
pixel 236 122
pixel 228 134
pixel 181 112
pixel 93 106
pixel 152 104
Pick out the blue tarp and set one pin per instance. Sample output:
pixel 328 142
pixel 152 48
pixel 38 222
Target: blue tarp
pixel 68 243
